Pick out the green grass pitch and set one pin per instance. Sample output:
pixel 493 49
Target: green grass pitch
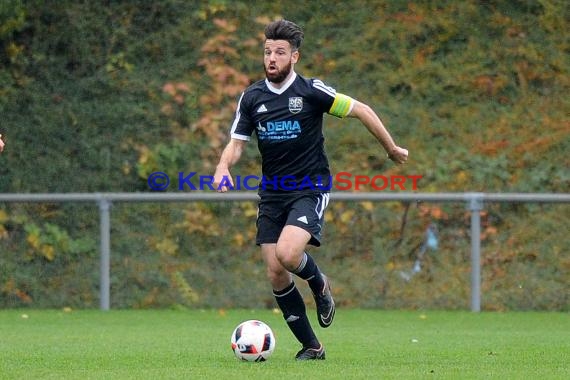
pixel 361 344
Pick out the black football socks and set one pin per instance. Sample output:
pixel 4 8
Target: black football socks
pixel 309 271
pixel 293 307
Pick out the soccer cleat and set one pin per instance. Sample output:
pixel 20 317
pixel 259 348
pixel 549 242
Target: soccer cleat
pixel 311 353
pixel 325 304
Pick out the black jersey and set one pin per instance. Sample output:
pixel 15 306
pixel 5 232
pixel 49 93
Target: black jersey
pixel 288 123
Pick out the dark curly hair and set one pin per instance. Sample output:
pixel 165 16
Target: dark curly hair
pixel 285 30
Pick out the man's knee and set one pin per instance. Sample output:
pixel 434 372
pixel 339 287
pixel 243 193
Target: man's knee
pixel 291 246
pixel 288 255
pixel 279 278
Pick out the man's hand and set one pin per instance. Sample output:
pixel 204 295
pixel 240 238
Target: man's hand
pixel 232 152
pixel 222 176
pixel 1 144
pixel 398 155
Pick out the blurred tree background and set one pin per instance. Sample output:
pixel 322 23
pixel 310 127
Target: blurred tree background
pixel 96 95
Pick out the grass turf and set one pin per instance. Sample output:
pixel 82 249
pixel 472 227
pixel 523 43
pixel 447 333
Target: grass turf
pixel 361 344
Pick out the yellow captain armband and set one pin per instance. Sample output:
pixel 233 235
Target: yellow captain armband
pixel 341 106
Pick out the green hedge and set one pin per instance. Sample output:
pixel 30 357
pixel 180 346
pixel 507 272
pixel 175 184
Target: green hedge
pixel 96 96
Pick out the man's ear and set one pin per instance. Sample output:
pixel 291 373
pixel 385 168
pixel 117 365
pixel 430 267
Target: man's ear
pixel 295 56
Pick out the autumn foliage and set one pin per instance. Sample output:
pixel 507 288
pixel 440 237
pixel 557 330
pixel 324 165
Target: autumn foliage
pixel 96 96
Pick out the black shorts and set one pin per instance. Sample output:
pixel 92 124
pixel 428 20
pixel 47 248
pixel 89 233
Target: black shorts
pixel 305 210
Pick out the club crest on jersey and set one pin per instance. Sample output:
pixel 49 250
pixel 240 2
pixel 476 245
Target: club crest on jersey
pixel 295 104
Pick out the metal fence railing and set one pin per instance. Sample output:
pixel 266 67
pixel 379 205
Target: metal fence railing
pixel 474 202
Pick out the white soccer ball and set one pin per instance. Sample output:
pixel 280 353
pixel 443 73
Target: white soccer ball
pixel 253 341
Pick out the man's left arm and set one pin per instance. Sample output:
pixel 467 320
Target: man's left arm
pixel 372 122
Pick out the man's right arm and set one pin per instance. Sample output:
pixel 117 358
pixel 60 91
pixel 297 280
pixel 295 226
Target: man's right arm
pixel 230 156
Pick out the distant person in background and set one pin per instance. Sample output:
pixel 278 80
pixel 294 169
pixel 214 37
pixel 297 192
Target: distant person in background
pixel 1 144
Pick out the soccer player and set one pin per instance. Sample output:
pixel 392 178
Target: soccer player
pixel 286 112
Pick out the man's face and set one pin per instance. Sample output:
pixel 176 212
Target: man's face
pixel 278 60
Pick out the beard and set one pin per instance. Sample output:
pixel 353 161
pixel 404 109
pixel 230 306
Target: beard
pixel 280 75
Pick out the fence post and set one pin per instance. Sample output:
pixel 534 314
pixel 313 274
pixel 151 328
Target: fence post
pixel 105 239
pixel 475 206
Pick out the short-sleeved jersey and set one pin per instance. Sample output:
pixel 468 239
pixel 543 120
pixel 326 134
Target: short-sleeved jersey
pixel 288 123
